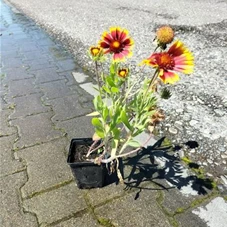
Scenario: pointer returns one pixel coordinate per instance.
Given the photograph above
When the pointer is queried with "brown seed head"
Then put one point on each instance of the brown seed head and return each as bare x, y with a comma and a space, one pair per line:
165, 35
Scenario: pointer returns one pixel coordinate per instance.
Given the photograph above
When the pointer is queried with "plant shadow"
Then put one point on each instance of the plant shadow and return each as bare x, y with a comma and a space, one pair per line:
156, 163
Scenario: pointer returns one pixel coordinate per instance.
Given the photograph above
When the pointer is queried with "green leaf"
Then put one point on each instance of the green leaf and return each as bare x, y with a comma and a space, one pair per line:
93, 114
105, 113
96, 122
133, 143
112, 68
116, 133
100, 133
110, 81
125, 120
114, 90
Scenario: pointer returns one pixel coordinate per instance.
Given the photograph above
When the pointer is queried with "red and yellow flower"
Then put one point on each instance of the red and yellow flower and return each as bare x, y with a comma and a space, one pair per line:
123, 73
177, 58
118, 43
95, 51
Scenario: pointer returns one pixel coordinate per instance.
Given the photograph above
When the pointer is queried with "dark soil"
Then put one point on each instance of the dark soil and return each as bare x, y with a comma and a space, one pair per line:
80, 152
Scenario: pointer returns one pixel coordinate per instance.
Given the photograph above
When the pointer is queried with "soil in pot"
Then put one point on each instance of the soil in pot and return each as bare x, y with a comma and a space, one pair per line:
87, 174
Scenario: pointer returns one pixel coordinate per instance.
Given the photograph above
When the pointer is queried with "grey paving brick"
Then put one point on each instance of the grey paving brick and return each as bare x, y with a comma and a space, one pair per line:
28, 105
28, 47
13, 63
82, 221
9, 54
77, 127
126, 211
106, 193
39, 64
67, 107
66, 65
18, 74
5, 128
35, 129
8, 163
188, 219
11, 207
34, 55
39, 159
22, 87
56, 89
46, 75
57, 204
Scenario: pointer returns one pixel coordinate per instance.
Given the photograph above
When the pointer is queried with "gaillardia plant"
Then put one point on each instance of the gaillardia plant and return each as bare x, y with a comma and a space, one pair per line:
124, 110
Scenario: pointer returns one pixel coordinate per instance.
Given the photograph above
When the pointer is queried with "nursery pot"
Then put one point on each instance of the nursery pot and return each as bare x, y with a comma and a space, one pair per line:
87, 174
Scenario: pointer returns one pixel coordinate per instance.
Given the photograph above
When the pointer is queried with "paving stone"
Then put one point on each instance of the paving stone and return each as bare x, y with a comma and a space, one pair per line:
46, 75
8, 163
66, 65
35, 129
22, 87
79, 127
67, 107
38, 160
57, 204
69, 77
126, 211
174, 199
188, 219
214, 213
13, 63
56, 89
84, 221
5, 128
99, 195
9, 54
28, 47
28, 105
39, 64
19, 74
11, 209
34, 55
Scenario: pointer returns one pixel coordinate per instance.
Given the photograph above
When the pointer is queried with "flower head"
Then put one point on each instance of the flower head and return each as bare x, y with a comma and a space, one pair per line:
165, 35
177, 58
117, 42
123, 73
95, 51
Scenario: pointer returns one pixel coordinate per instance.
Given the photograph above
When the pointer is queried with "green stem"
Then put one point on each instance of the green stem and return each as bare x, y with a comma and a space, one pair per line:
97, 74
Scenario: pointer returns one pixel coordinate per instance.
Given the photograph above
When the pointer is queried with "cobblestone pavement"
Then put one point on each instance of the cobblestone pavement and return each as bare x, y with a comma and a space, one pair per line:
42, 108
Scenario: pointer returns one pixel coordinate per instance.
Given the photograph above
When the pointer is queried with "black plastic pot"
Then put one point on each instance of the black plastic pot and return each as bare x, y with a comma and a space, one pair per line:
87, 174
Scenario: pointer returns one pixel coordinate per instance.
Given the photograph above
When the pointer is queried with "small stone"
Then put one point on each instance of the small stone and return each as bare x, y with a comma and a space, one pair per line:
222, 148
193, 122
205, 164
181, 153
224, 179
192, 151
209, 161
179, 110
224, 162
200, 101
172, 130
223, 156
219, 113
209, 174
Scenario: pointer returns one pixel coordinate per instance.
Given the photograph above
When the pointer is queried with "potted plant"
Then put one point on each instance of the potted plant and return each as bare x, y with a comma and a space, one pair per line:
123, 107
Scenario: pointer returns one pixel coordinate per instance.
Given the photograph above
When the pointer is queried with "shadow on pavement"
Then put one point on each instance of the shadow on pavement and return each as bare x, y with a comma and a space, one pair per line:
145, 168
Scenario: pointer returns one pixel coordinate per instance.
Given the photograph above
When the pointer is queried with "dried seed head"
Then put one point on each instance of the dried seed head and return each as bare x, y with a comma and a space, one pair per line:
165, 35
